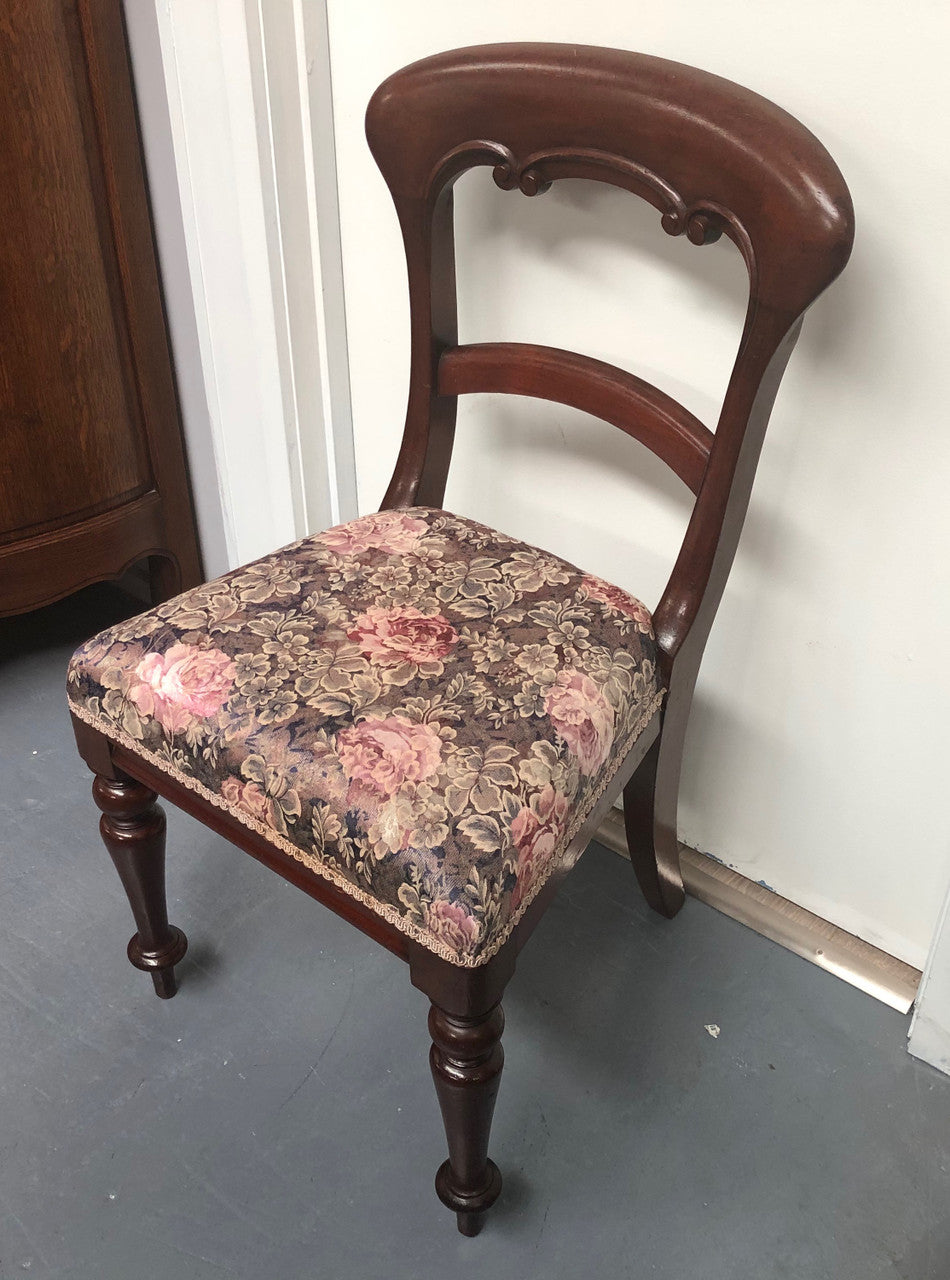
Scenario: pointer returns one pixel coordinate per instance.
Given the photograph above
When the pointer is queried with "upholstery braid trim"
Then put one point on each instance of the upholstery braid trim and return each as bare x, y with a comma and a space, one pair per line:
328, 872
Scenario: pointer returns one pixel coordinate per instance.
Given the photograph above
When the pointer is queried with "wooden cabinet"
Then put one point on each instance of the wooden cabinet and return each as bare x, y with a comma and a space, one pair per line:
92, 466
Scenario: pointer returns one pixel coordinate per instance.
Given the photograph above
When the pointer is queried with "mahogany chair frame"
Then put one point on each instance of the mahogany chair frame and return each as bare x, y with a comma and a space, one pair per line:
714, 159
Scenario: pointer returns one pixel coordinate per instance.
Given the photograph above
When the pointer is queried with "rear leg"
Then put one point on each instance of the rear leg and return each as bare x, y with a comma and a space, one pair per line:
649, 811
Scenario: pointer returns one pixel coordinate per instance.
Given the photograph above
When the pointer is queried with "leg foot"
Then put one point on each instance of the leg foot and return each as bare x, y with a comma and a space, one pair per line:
160, 963
133, 830
466, 1061
469, 1224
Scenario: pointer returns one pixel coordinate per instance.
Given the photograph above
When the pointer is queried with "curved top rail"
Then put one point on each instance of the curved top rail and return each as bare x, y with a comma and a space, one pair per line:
712, 156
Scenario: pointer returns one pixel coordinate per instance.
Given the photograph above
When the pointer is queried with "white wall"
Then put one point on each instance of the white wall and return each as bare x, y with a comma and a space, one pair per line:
816, 754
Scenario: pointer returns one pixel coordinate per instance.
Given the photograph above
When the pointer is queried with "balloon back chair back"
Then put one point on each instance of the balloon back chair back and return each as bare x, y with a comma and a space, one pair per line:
418, 720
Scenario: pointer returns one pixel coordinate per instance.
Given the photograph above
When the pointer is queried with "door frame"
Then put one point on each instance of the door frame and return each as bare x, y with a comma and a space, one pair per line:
929, 1034
246, 123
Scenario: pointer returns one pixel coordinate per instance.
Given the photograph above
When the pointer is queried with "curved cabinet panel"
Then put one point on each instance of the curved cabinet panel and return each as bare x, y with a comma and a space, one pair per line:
90, 436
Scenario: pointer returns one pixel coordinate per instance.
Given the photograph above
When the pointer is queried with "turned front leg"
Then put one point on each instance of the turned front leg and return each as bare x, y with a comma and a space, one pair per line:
133, 829
466, 1060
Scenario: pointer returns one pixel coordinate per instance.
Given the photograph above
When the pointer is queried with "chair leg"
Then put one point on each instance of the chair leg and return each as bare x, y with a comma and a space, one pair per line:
133, 829
466, 1060
649, 811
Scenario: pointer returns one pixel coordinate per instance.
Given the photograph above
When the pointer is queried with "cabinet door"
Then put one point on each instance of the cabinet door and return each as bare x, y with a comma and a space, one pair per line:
92, 468
72, 437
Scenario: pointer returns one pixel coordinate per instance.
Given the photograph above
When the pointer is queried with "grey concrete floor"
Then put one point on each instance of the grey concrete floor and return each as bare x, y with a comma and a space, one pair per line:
277, 1120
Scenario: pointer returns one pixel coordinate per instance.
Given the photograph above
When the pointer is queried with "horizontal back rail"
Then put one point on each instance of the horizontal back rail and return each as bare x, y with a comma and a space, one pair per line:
547, 373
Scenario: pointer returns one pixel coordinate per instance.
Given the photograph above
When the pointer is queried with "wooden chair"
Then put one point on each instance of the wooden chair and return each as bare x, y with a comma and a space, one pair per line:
420, 721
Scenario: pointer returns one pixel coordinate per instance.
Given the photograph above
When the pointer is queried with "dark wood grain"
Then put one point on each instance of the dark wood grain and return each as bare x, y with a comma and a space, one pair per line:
43, 568
133, 830
61, 370
89, 421
466, 1060
547, 373
650, 825
715, 160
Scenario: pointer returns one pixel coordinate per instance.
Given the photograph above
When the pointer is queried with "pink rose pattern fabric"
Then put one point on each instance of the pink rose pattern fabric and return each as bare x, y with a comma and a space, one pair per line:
583, 717
181, 684
382, 754
417, 706
404, 637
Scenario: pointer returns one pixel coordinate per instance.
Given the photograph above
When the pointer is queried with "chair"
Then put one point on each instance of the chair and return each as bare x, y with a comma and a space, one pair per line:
419, 720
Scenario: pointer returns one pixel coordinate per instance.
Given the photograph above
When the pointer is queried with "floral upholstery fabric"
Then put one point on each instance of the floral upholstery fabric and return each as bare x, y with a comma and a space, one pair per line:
417, 707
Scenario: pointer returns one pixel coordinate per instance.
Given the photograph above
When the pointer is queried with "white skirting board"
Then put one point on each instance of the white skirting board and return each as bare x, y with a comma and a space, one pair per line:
784, 922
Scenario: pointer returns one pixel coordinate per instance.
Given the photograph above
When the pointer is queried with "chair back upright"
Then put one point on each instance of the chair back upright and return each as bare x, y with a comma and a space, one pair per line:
713, 158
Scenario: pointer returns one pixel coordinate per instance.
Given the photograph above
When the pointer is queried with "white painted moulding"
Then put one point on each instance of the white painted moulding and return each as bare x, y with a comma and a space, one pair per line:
929, 1035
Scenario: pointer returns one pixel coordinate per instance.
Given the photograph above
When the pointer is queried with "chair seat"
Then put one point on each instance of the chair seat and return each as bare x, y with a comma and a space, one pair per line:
417, 707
